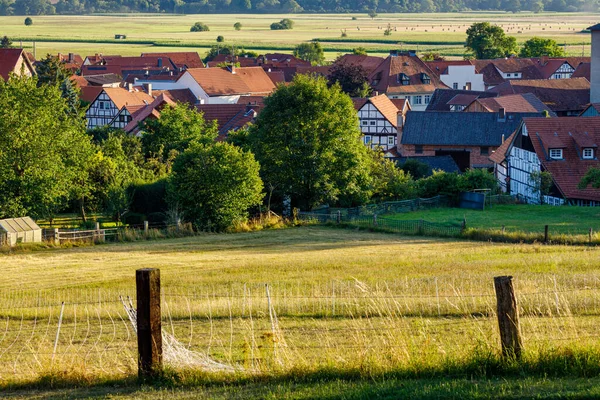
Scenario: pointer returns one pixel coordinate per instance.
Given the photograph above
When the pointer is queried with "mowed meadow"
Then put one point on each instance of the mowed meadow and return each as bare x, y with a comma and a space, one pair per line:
442, 33
301, 302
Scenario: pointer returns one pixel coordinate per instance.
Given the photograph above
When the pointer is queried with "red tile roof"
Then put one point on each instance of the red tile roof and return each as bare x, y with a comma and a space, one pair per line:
384, 78
526, 102
583, 71
178, 95
560, 95
151, 110
89, 93
9, 59
401, 104
566, 132
369, 63
222, 82
386, 107
184, 59
229, 116
123, 97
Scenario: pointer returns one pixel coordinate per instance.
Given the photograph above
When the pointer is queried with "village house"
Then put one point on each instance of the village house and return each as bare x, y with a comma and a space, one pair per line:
402, 75
229, 117
564, 147
110, 102
451, 99
469, 138
457, 74
378, 118
566, 97
142, 113
512, 103
15, 61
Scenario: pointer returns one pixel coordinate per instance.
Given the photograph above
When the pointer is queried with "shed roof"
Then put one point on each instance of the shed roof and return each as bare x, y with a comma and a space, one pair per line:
15, 225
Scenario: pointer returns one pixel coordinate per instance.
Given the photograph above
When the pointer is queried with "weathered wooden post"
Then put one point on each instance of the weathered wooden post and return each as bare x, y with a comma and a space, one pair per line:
503, 229
374, 219
591, 234
146, 228
148, 322
508, 317
99, 233
56, 236
545, 233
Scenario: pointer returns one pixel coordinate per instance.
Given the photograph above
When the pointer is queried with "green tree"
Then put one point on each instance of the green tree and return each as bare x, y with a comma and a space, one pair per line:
352, 78
237, 26
175, 130
431, 56
415, 168
284, 24
372, 14
359, 51
539, 47
5, 43
28, 21
542, 183
215, 185
307, 141
591, 177
199, 27
488, 41
390, 182
311, 52
44, 149
51, 71
220, 39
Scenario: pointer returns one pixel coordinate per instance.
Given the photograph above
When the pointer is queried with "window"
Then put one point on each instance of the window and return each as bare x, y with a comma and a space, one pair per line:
367, 139
391, 140
101, 105
403, 79
417, 99
588, 153
508, 75
365, 122
468, 86
455, 86
484, 151
427, 98
373, 122
418, 149
425, 78
556, 154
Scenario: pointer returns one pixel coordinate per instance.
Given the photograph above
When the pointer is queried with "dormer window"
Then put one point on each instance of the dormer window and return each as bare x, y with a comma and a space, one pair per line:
556, 154
403, 79
588, 153
425, 79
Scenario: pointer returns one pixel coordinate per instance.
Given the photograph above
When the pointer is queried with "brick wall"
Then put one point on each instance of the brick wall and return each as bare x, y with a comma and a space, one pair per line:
476, 158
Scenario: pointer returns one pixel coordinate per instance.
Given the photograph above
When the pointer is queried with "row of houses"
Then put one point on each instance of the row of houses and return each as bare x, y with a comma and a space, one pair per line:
453, 115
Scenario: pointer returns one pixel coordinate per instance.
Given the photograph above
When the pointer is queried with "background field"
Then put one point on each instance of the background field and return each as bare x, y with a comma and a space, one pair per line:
349, 304
443, 33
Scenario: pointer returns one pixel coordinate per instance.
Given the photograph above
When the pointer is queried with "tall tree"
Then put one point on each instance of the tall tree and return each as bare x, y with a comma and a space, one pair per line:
352, 78
51, 71
539, 47
488, 41
307, 141
311, 52
44, 149
215, 185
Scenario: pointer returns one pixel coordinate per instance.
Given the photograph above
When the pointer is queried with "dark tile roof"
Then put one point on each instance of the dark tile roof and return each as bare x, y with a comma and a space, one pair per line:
526, 102
441, 97
461, 129
435, 163
369, 63
560, 95
594, 28
584, 70
103, 79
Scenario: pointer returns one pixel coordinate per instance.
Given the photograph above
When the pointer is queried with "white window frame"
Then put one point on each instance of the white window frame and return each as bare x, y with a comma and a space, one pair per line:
455, 86
390, 140
427, 98
588, 153
417, 99
556, 154
365, 122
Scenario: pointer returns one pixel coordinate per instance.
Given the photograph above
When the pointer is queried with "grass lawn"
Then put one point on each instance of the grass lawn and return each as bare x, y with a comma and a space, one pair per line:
359, 315
525, 218
443, 33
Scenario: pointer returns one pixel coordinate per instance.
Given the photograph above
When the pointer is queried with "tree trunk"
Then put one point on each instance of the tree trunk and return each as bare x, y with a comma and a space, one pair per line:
82, 209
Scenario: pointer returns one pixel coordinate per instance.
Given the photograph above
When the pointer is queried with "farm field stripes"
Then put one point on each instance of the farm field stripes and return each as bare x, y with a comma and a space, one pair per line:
430, 32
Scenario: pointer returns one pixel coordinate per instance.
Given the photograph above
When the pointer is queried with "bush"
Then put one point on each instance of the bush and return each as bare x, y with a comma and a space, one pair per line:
199, 27
237, 26
28, 21
417, 169
451, 185
285, 23
220, 39
479, 179
149, 198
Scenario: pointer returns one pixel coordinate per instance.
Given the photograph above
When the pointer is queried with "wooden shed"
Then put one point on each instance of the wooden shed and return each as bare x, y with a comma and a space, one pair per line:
19, 230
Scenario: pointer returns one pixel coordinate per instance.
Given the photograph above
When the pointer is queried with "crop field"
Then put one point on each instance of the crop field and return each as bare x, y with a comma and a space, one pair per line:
522, 218
443, 33
310, 301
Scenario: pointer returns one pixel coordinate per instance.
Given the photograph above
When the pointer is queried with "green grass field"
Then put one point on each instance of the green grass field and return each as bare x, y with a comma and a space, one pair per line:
359, 315
443, 33
522, 218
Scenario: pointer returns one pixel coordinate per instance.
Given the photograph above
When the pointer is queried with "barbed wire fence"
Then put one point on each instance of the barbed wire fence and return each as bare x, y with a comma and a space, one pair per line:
259, 327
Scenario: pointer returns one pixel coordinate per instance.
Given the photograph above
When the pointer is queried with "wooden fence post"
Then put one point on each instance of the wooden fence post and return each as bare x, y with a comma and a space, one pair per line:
149, 330
508, 317
145, 227
591, 234
339, 216
375, 219
56, 236
545, 233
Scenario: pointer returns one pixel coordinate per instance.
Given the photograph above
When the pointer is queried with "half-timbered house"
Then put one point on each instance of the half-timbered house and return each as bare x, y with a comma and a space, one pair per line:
110, 102
378, 118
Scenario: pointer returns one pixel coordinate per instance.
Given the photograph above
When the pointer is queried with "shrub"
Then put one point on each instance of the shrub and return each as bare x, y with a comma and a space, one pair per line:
237, 26
417, 169
220, 39
149, 199
354, 18
28, 21
285, 23
199, 27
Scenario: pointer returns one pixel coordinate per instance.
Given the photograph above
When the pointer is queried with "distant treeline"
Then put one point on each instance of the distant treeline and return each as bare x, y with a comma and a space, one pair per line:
40, 7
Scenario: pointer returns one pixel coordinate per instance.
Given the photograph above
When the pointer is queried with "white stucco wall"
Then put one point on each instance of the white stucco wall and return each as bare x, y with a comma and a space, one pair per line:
461, 74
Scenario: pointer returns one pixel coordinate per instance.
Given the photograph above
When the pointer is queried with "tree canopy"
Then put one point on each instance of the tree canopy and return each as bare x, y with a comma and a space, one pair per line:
487, 41
215, 185
539, 47
352, 78
307, 141
311, 52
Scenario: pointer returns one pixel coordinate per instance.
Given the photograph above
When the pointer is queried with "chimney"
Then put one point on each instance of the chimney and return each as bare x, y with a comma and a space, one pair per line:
501, 114
595, 65
71, 57
503, 138
149, 86
160, 63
